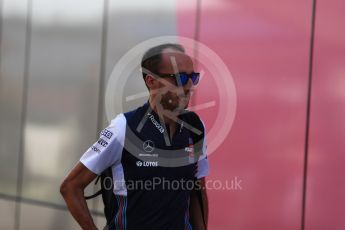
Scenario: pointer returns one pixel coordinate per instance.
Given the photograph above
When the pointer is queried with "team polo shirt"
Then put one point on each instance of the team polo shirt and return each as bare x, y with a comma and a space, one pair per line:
152, 173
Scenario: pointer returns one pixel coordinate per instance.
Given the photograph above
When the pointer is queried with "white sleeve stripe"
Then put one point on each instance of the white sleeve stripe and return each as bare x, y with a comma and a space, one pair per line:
107, 151
203, 168
203, 165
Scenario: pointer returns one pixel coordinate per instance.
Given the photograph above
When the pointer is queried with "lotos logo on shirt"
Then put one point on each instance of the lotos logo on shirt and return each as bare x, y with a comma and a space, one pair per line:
147, 163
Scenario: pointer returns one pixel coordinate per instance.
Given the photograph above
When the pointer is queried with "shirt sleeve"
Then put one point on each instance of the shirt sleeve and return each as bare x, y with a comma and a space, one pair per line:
203, 164
107, 151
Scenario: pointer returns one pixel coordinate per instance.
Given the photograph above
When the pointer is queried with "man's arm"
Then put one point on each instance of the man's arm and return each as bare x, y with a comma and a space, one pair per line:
72, 190
199, 218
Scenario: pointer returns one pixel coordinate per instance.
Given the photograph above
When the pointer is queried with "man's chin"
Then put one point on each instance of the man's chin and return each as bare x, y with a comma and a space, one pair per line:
186, 105
183, 105
185, 102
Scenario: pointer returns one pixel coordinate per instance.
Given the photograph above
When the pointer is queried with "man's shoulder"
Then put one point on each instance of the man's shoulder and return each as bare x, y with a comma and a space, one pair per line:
117, 126
191, 115
193, 119
134, 116
124, 116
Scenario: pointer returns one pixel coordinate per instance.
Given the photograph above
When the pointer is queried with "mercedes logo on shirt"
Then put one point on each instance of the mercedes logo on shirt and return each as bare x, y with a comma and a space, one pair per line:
148, 146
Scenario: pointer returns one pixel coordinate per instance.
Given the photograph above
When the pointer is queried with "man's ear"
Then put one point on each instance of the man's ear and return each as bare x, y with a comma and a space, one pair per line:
150, 81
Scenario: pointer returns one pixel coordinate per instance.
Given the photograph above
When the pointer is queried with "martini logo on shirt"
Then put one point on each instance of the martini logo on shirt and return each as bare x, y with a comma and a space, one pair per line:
190, 150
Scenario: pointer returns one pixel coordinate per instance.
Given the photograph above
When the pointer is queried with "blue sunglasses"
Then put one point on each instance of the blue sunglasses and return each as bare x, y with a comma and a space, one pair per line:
181, 79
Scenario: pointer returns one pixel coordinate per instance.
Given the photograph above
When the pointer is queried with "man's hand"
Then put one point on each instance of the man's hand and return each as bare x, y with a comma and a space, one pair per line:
72, 190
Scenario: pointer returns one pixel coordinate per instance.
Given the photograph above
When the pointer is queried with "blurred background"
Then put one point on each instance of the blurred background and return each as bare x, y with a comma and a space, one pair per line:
286, 145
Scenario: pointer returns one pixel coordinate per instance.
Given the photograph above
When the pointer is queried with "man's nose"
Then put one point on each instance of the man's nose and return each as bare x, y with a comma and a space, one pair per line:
189, 84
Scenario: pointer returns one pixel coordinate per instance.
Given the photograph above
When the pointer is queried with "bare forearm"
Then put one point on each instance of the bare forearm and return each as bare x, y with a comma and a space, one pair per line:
198, 213
205, 205
77, 205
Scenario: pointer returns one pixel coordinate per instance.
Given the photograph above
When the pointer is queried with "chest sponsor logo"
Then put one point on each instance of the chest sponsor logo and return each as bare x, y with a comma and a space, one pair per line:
190, 151
155, 123
147, 163
148, 146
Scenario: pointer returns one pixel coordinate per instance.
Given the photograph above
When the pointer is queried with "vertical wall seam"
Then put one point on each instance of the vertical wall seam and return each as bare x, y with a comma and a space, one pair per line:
102, 67
102, 70
23, 116
1, 25
306, 147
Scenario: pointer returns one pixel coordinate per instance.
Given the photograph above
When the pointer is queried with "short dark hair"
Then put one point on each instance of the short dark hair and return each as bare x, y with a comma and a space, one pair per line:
152, 57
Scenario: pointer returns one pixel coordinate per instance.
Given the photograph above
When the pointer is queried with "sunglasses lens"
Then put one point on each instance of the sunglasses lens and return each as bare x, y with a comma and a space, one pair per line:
195, 78
185, 77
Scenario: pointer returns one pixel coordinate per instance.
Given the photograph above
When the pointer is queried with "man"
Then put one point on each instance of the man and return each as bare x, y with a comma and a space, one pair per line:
160, 141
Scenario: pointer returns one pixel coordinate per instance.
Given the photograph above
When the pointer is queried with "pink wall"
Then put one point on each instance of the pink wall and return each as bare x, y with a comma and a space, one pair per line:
325, 206
265, 45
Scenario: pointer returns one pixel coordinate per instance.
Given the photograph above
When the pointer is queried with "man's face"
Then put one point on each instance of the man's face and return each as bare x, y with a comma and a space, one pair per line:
172, 97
